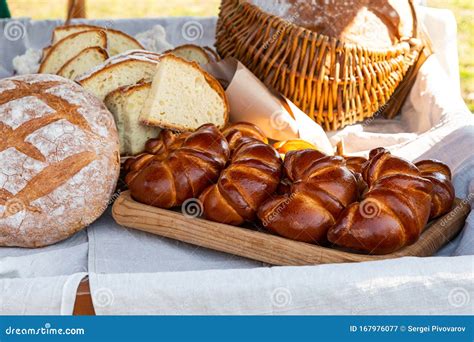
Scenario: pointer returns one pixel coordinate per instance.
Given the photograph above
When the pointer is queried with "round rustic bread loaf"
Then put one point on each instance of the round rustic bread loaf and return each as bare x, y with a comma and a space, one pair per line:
59, 159
369, 23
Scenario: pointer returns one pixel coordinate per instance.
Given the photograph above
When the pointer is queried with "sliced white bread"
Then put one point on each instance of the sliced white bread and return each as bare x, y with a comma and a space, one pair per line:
184, 97
141, 53
126, 103
69, 47
83, 62
191, 53
62, 32
45, 52
116, 72
117, 41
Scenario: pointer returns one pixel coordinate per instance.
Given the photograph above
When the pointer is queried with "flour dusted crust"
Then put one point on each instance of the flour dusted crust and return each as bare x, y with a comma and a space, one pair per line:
370, 23
59, 159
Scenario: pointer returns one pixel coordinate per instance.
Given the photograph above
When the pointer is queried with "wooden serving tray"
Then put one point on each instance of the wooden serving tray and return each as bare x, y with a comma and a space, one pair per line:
267, 247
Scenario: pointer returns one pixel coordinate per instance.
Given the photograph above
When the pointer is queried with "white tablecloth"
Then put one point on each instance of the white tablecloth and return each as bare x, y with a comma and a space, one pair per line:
136, 273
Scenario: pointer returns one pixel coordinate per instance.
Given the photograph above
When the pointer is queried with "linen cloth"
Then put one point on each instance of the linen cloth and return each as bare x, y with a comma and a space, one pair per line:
39, 295
132, 272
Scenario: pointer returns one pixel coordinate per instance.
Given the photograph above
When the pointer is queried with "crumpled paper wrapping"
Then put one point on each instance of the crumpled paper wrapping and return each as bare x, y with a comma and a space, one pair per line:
251, 101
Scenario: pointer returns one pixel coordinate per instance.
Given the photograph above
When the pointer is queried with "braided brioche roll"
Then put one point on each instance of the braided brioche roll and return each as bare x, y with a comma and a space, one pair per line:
393, 212
185, 172
132, 166
356, 165
165, 143
155, 149
236, 131
320, 188
251, 178
439, 175
168, 141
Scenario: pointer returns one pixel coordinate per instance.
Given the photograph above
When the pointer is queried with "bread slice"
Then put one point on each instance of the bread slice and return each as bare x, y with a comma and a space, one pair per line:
62, 32
69, 47
117, 41
45, 52
116, 72
184, 97
141, 53
83, 62
126, 103
191, 53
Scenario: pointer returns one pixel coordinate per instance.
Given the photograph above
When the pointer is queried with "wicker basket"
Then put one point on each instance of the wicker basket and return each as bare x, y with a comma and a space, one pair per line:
335, 83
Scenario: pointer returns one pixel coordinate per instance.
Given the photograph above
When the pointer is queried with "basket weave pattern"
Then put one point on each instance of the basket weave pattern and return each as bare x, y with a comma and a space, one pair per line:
334, 83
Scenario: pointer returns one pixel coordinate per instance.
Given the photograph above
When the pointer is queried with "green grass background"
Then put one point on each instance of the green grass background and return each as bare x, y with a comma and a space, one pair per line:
44, 9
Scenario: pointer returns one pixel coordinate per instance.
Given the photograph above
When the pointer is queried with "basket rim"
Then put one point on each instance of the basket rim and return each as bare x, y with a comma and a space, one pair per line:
342, 44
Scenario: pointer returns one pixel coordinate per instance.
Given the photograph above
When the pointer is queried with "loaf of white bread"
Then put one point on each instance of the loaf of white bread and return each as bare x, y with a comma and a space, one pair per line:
144, 90
83, 62
71, 46
117, 41
193, 53
126, 103
147, 91
79, 48
124, 82
183, 97
122, 70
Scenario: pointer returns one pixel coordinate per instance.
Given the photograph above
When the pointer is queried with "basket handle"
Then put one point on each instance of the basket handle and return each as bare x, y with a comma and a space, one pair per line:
415, 19
76, 9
